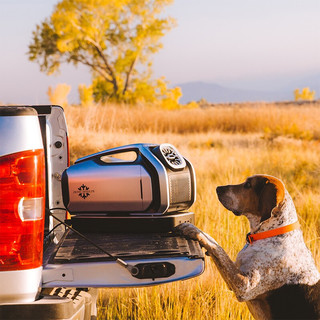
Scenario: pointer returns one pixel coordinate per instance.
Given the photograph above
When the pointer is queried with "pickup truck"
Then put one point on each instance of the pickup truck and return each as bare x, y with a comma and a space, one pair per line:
61, 237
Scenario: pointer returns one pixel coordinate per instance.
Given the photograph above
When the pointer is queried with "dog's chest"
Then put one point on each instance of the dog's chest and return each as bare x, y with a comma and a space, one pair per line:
284, 257
243, 256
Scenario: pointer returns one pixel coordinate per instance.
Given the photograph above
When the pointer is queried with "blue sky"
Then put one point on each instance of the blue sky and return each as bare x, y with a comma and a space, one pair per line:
243, 44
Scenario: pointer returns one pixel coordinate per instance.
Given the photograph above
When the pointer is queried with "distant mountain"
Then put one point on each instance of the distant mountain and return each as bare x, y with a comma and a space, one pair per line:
194, 91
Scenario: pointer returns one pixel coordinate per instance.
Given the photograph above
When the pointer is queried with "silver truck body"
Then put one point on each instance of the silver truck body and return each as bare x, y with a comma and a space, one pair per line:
68, 260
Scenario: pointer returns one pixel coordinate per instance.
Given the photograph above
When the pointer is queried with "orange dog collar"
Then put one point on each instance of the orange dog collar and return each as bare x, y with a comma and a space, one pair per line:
271, 233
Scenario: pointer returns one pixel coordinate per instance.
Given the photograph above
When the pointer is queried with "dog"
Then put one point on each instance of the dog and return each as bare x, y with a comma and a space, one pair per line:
274, 273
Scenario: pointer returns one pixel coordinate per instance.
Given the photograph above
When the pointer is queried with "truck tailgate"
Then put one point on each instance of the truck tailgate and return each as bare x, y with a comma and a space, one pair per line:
160, 257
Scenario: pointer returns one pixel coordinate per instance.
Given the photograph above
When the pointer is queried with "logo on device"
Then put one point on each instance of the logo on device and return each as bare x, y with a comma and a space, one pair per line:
84, 191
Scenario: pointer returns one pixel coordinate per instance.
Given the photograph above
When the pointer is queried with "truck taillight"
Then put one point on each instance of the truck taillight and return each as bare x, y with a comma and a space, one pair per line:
22, 205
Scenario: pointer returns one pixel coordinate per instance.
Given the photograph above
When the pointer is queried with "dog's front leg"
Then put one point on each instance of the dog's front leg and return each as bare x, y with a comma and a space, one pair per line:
239, 283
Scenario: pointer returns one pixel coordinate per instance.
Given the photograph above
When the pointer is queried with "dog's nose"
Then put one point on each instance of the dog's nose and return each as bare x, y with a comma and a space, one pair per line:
220, 190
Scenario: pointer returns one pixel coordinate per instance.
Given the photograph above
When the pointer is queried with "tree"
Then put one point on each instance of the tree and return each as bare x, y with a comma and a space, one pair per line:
114, 38
59, 94
305, 94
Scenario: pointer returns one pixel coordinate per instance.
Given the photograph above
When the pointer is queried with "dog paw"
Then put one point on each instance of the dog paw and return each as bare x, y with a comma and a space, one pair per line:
189, 231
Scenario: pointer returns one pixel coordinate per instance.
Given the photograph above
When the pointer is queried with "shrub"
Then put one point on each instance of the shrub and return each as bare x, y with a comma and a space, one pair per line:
86, 95
59, 94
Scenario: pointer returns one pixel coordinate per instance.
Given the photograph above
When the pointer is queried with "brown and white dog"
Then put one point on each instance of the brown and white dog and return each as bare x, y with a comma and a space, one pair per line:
274, 273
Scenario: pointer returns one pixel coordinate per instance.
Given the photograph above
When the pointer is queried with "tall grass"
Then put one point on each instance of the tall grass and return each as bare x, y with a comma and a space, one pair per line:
235, 119
225, 146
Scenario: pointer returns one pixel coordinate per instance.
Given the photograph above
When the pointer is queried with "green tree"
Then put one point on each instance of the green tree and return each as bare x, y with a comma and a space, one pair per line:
114, 38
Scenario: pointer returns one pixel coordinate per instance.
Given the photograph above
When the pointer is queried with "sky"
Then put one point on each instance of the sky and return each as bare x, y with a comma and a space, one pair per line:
247, 44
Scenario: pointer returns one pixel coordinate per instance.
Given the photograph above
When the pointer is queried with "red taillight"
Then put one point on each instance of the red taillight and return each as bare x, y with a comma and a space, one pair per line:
22, 205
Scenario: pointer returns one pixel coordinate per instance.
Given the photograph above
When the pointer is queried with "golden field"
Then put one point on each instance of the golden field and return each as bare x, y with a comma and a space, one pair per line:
225, 144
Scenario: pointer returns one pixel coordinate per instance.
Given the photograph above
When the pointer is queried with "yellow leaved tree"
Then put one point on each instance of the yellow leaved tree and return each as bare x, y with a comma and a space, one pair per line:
114, 38
305, 94
59, 94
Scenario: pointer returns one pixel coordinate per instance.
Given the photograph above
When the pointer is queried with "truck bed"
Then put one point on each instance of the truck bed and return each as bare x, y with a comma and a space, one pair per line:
72, 248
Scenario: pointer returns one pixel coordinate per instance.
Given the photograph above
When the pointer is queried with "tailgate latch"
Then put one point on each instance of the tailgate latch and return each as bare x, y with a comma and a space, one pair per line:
154, 270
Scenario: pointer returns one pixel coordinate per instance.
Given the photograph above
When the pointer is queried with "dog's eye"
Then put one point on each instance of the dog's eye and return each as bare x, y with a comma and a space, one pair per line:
247, 185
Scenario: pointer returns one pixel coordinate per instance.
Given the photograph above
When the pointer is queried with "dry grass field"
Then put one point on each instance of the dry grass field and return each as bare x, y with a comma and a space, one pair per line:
225, 144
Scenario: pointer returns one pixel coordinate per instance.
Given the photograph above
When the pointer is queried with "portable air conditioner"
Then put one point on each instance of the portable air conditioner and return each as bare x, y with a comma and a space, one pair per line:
137, 179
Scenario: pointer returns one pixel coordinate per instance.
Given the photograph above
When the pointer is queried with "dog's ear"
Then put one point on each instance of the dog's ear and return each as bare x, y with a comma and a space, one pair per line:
272, 194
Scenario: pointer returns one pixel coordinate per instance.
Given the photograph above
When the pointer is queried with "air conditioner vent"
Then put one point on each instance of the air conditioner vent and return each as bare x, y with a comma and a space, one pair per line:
171, 157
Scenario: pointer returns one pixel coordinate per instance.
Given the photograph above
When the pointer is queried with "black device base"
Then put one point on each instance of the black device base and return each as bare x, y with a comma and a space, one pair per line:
130, 224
